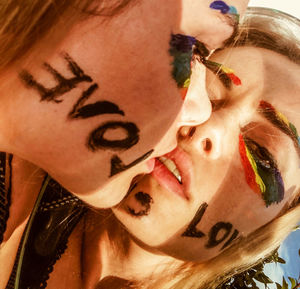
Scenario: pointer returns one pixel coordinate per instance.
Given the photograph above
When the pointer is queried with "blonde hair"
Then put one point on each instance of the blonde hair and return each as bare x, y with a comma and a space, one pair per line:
259, 29
26, 23
242, 255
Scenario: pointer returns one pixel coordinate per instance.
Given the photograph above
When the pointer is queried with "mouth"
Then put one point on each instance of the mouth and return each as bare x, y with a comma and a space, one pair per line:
172, 171
171, 166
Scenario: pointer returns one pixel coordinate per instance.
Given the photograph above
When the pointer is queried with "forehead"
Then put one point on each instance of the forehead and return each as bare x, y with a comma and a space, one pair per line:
266, 75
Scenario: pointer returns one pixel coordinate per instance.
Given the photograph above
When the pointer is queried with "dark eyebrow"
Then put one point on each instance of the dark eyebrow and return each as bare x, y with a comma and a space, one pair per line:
223, 77
200, 53
271, 114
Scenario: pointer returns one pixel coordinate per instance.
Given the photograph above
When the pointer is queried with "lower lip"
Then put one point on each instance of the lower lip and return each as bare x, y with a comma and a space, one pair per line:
167, 180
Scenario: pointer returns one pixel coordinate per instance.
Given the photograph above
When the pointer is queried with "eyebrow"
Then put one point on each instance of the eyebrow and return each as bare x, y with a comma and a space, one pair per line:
280, 121
270, 113
215, 68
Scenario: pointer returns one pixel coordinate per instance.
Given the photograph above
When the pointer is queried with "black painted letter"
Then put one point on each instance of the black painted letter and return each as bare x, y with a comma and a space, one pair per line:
192, 231
117, 166
97, 140
214, 240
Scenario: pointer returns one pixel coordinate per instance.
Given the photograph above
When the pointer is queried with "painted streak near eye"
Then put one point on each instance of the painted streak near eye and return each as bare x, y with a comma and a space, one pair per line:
225, 74
181, 49
261, 171
223, 7
250, 169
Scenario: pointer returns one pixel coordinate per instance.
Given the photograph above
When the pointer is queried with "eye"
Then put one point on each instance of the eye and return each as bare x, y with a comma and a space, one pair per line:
260, 154
265, 178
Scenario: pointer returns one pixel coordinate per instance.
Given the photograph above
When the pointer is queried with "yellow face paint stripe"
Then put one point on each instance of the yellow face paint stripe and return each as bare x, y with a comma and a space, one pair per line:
258, 179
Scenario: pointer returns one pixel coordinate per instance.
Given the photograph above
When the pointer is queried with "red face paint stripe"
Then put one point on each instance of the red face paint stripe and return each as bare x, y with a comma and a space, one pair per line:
234, 79
249, 172
183, 92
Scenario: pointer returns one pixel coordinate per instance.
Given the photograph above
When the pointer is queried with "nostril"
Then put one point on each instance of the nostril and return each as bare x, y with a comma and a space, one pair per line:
207, 145
192, 131
186, 132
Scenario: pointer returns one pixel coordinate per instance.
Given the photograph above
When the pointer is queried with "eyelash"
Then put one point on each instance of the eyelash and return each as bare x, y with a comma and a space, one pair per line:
268, 172
261, 155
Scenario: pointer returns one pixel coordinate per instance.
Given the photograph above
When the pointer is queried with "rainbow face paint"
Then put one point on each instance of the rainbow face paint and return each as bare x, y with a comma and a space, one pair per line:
182, 49
182, 52
261, 172
224, 8
226, 75
280, 120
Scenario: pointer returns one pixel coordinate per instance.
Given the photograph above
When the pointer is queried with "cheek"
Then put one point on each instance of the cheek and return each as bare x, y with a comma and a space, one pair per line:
152, 215
188, 249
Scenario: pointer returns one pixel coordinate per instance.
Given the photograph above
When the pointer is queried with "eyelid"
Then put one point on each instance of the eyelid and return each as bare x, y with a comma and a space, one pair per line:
254, 140
218, 97
217, 104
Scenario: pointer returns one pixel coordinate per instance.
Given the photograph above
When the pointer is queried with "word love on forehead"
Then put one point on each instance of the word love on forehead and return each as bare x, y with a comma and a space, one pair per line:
220, 233
261, 172
83, 110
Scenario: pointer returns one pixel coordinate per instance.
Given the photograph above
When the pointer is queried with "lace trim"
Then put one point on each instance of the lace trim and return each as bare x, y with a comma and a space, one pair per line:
5, 193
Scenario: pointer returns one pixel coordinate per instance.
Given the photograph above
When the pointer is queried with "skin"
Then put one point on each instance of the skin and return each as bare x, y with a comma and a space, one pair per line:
131, 66
227, 206
40, 131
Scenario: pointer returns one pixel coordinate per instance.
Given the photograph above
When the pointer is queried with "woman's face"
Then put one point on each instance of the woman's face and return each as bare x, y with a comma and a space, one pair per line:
94, 112
198, 210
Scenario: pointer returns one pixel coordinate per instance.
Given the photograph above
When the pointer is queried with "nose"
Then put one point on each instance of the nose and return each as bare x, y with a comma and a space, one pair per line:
207, 143
197, 106
196, 109
217, 138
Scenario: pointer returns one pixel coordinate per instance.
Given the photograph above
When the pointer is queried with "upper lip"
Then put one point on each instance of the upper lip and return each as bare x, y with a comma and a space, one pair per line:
184, 165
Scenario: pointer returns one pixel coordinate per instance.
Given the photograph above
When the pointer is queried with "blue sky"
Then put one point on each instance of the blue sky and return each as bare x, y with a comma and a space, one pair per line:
289, 252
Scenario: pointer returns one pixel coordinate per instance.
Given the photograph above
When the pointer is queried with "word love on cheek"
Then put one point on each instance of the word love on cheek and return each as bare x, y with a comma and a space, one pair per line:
81, 110
261, 172
219, 233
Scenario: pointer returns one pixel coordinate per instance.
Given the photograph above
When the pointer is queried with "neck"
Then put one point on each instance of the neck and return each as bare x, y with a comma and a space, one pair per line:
114, 253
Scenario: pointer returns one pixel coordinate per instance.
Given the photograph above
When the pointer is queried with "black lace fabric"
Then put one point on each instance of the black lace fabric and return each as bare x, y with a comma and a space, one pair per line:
56, 215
